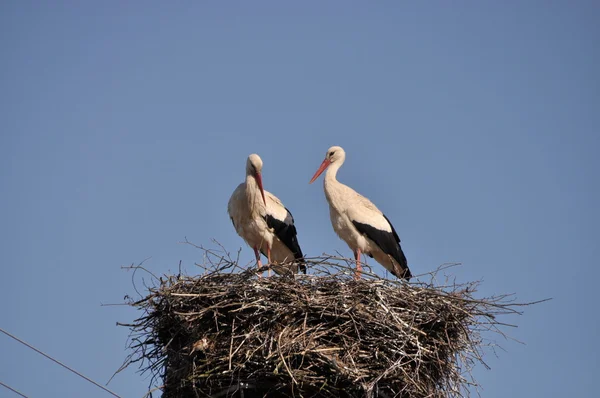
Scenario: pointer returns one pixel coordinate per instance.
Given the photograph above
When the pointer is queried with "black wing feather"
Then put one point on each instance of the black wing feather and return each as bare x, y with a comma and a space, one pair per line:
388, 242
286, 232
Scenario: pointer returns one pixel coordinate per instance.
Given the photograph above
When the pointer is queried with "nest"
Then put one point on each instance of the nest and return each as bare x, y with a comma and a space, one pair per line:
227, 332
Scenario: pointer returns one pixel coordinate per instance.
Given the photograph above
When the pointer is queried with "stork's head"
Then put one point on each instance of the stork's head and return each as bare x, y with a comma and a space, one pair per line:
254, 166
335, 154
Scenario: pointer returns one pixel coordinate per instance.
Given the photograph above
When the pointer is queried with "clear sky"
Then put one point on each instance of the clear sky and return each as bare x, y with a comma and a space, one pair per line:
125, 127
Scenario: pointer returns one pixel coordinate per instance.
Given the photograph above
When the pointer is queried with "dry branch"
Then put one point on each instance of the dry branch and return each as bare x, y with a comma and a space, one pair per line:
322, 334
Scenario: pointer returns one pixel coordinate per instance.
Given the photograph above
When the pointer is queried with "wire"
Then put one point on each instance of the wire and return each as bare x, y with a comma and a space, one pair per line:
58, 362
13, 390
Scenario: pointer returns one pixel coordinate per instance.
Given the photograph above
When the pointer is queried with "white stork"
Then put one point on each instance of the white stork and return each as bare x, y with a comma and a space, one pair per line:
358, 222
264, 223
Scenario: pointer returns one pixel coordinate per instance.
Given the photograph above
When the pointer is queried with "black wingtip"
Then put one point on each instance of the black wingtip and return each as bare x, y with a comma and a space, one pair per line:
299, 257
303, 267
407, 275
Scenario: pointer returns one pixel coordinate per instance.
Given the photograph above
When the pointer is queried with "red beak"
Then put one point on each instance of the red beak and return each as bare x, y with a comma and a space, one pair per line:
322, 168
258, 178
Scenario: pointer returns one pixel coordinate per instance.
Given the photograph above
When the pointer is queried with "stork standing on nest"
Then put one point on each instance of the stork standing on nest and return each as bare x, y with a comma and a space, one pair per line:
264, 223
359, 222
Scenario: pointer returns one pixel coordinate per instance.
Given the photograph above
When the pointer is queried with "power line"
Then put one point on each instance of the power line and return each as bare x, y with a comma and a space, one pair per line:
58, 362
13, 390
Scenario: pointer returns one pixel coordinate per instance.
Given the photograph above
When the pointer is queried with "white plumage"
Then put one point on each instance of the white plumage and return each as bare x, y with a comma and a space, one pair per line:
264, 223
358, 222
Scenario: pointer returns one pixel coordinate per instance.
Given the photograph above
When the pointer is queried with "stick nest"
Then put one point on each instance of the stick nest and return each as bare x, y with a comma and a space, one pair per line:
323, 334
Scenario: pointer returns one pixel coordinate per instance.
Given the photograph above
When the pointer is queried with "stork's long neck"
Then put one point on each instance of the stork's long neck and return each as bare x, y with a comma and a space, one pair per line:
253, 195
330, 182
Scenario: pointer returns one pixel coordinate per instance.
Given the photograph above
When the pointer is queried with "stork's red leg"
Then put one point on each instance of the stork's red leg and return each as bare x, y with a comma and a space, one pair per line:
269, 258
358, 266
258, 262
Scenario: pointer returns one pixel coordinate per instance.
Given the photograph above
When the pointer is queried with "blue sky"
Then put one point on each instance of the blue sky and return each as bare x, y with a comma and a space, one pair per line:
124, 127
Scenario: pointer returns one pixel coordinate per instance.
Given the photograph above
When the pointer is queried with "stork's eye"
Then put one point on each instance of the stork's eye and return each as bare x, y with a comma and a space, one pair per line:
331, 153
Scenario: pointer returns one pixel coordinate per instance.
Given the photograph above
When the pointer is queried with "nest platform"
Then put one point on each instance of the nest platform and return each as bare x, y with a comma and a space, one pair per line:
228, 333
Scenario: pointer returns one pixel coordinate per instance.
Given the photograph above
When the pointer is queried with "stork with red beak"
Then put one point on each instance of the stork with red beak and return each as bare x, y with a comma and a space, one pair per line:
358, 222
264, 223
